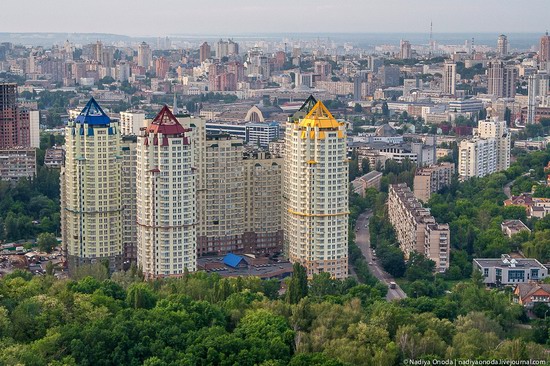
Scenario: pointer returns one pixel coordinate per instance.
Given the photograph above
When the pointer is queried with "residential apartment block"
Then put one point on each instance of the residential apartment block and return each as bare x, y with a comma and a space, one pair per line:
263, 231
487, 152
432, 179
166, 199
17, 163
131, 122
129, 197
316, 192
91, 204
416, 228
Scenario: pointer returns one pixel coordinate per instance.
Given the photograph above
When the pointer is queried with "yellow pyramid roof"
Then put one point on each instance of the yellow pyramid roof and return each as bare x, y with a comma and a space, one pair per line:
319, 116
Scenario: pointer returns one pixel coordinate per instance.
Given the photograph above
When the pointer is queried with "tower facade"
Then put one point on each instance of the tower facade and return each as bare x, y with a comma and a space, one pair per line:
145, 55
544, 49
502, 45
15, 123
497, 130
204, 52
91, 205
166, 203
316, 190
449, 78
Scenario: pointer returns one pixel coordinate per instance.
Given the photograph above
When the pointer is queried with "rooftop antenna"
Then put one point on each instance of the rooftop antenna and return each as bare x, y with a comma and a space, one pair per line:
431, 40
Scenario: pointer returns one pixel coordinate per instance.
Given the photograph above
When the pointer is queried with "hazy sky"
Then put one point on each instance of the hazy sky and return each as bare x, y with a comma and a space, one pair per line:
165, 17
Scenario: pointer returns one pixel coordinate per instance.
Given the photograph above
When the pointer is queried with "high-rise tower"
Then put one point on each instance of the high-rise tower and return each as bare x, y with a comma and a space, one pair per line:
316, 188
91, 207
502, 46
449, 78
166, 198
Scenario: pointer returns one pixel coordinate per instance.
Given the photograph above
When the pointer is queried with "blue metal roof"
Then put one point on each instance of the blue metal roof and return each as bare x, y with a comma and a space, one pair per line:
232, 260
92, 114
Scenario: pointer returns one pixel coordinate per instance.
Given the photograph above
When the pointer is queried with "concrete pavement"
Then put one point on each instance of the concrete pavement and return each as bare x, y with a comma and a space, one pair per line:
362, 239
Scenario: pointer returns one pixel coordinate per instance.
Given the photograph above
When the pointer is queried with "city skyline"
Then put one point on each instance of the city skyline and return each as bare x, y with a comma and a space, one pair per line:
357, 17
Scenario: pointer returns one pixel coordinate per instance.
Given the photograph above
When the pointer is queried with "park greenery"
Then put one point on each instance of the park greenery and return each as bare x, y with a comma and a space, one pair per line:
31, 207
203, 319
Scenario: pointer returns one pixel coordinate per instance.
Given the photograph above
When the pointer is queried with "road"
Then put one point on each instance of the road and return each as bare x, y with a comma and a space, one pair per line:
362, 238
507, 190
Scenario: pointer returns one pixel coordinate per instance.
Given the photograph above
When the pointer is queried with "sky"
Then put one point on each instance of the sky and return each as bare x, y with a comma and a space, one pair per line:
233, 17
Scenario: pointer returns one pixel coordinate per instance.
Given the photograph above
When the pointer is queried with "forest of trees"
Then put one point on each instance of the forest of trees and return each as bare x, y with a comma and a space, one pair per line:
203, 319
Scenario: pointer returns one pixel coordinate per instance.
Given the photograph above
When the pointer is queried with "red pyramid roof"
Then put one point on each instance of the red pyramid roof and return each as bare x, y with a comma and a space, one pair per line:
166, 123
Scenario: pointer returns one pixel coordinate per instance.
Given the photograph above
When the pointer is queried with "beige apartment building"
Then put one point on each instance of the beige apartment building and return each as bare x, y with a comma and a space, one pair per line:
431, 179
239, 199
221, 220
128, 195
316, 193
166, 199
263, 231
91, 205
416, 229
131, 122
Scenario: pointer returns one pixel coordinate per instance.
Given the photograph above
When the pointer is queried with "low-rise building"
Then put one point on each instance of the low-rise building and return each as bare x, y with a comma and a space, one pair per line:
528, 294
432, 179
54, 157
510, 271
369, 180
512, 227
416, 229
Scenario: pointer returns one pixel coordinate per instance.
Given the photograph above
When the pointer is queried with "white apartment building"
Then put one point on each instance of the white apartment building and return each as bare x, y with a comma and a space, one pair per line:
316, 193
416, 229
477, 158
497, 130
487, 152
131, 122
448, 84
91, 205
166, 199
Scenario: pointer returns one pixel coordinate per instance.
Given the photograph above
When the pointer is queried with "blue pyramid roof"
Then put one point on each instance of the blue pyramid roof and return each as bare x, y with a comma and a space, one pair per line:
232, 260
92, 114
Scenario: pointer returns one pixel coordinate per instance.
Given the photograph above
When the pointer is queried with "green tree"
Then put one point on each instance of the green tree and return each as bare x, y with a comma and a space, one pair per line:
46, 242
297, 287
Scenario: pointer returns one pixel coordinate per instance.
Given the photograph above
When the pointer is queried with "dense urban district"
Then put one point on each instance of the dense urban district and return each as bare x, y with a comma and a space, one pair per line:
279, 202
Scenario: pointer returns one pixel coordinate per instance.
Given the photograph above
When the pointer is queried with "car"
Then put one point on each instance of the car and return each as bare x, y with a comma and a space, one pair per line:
370, 263
393, 285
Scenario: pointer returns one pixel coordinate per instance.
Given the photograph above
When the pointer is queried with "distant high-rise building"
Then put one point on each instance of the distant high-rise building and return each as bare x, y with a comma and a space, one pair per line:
544, 50
91, 205
15, 122
501, 79
389, 75
316, 193
497, 130
405, 50
145, 56
487, 152
97, 51
538, 85
448, 85
166, 199
205, 52
162, 66
502, 46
